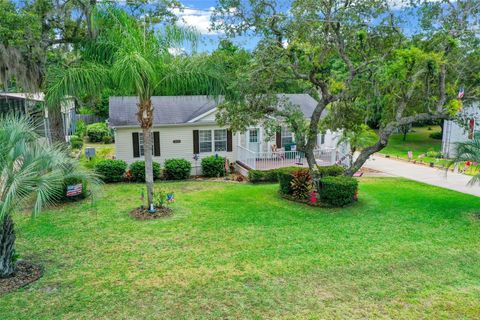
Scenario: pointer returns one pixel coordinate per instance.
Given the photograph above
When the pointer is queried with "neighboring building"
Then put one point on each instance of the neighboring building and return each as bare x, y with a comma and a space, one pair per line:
184, 126
32, 105
454, 132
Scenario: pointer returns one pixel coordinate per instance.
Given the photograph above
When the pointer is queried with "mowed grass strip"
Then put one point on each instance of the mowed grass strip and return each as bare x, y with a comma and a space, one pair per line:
406, 250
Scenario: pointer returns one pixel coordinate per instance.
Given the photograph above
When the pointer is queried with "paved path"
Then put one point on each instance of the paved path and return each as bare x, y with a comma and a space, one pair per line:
432, 176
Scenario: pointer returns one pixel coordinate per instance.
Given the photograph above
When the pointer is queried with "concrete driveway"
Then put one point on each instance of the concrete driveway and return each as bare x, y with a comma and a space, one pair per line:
432, 176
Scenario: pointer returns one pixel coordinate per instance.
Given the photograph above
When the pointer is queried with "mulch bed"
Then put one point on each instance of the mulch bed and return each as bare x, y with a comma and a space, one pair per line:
25, 273
143, 214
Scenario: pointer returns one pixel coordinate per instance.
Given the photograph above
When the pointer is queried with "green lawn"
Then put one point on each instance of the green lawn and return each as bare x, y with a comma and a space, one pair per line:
418, 141
407, 250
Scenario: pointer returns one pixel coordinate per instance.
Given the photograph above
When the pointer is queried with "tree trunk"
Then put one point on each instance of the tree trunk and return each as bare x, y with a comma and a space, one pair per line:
312, 134
56, 126
7, 245
145, 118
147, 147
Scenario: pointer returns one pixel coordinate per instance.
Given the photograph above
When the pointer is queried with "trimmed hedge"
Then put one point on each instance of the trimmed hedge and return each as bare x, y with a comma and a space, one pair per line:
76, 142
97, 131
256, 176
213, 166
111, 170
330, 171
338, 191
137, 170
177, 169
285, 178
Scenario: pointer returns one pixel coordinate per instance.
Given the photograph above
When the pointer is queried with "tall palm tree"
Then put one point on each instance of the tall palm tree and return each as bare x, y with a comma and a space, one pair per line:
469, 151
135, 58
31, 173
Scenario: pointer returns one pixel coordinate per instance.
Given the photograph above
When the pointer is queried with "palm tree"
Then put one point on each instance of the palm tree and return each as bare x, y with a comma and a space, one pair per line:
135, 58
31, 173
469, 151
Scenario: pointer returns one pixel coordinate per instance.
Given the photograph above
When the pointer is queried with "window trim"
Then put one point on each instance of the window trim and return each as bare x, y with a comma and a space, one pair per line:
212, 141
141, 150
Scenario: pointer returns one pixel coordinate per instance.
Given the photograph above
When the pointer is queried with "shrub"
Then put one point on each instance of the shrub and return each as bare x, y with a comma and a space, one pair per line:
80, 128
330, 171
434, 154
338, 191
177, 169
111, 170
436, 135
213, 166
256, 176
76, 142
107, 139
285, 177
70, 182
137, 170
96, 131
301, 184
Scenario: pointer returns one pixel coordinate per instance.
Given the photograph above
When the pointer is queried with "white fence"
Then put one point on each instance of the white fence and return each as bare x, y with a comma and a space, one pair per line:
279, 159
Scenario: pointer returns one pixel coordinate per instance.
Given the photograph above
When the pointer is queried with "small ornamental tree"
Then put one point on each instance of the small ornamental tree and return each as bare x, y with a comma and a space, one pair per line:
31, 170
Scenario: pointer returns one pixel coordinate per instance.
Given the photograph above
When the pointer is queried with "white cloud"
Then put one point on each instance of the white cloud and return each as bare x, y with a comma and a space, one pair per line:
197, 18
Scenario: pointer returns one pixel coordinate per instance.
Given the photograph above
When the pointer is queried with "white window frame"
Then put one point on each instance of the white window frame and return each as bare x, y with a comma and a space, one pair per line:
287, 134
141, 149
223, 140
202, 141
213, 141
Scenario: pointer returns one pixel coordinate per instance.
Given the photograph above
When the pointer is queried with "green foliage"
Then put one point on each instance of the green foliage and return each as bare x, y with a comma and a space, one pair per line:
76, 142
97, 131
256, 176
285, 178
330, 171
434, 154
469, 151
213, 166
301, 184
111, 170
81, 129
436, 135
177, 169
137, 170
338, 191
160, 197
107, 139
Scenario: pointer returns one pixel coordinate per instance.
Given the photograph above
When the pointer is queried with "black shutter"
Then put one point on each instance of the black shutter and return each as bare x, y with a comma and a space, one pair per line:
196, 142
279, 139
229, 141
136, 146
156, 144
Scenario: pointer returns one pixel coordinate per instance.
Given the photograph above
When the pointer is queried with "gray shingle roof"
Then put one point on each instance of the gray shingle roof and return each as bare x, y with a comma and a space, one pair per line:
181, 109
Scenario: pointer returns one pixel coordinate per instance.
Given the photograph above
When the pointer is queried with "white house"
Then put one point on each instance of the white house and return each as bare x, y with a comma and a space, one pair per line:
185, 127
454, 132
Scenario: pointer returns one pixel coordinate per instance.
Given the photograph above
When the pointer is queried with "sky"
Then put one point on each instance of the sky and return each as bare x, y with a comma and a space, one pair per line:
197, 14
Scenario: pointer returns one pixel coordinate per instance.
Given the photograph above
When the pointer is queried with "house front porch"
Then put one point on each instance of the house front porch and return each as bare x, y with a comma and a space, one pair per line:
273, 160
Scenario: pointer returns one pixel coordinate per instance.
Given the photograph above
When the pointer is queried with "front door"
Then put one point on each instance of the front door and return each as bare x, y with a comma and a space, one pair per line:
254, 139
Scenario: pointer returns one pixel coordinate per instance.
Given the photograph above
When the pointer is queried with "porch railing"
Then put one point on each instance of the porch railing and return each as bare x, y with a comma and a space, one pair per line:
279, 159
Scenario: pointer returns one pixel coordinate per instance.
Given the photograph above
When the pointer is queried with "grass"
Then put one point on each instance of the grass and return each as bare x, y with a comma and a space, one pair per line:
418, 141
102, 151
406, 250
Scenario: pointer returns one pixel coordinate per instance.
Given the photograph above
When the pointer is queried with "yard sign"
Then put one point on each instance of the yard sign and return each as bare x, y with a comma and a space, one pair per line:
74, 190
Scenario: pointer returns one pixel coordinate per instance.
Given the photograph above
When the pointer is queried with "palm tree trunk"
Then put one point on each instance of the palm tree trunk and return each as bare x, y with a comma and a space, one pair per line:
147, 147
7, 245
56, 125
145, 118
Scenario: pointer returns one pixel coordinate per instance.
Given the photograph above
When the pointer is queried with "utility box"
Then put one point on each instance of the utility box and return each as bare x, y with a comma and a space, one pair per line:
89, 153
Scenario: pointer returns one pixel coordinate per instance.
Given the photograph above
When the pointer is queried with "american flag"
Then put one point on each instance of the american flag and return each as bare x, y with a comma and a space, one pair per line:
461, 92
74, 190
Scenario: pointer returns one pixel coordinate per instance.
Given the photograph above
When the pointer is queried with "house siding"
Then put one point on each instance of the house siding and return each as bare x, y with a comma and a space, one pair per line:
454, 133
168, 149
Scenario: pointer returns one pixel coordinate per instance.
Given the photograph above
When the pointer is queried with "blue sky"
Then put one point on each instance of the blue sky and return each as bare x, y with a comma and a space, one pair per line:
197, 14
